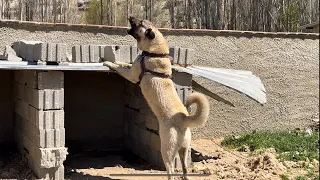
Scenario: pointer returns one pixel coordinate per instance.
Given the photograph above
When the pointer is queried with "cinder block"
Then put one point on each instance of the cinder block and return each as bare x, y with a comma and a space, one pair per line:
136, 147
23, 51
145, 137
50, 80
40, 51
16, 47
134, 131
134, 51
182, 56
101, 52
145, 152
127, 116
138, 119
21, 108
155, 141
189, 56
56, 52
43, 138
85, 53
152, 123
144, 108
76, 54
117, 53
45, 99
182, 79
160, 162
125, 54
153, 156
129, 142
45, 157
10, 54
94, 54
19, 91
40, 79
88, 53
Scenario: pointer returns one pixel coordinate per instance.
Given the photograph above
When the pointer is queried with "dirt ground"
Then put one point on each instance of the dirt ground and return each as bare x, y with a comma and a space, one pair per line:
210, 162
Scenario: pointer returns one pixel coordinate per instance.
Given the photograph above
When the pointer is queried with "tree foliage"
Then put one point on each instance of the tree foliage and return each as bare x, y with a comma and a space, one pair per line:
245, 15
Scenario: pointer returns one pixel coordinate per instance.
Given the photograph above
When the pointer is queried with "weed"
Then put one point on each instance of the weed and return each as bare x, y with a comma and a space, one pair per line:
293, 146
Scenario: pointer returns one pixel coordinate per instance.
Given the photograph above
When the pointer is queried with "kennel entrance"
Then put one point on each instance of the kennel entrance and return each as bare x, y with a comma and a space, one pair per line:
81, 110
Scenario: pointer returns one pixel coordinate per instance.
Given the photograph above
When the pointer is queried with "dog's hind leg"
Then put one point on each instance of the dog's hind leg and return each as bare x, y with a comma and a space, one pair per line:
183, 154
168, 155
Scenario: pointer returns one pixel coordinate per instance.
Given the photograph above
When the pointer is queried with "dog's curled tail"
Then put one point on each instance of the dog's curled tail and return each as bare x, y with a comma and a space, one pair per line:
199, 118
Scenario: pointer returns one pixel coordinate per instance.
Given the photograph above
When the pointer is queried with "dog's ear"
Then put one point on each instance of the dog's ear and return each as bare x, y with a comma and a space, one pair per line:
150, 34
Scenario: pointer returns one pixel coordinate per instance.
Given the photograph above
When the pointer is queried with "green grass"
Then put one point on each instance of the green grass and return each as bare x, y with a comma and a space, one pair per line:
293, 146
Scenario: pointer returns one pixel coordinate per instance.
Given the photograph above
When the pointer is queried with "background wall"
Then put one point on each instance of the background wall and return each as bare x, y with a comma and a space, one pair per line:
288, 65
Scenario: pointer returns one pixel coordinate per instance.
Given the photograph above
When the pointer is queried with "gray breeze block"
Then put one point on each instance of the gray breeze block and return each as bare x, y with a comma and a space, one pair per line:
40, 51
182, 56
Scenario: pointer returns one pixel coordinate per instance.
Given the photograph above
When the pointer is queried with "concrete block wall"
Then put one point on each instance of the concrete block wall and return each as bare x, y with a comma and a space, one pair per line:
141, 128
39, 121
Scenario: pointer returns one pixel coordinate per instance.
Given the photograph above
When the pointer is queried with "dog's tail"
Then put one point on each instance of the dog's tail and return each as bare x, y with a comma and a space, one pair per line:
199, 118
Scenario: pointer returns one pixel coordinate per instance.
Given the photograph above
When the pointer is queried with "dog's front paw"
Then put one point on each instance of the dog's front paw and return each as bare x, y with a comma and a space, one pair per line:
109, 64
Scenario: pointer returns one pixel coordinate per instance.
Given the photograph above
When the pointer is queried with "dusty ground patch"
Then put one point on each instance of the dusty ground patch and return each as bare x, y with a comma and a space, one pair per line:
210, 158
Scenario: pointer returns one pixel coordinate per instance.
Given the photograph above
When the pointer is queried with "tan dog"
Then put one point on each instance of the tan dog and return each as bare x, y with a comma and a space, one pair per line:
160, 94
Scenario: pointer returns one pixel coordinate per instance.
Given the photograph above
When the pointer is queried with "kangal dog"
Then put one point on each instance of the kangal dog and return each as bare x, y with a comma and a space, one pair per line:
152, 70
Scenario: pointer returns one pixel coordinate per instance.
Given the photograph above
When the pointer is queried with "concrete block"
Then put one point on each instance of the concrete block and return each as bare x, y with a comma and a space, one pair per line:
134, 131
10, 54
40, 51
18, 91
160, 162
94, 53
153, 156
26, 77
16, 47
88, 53
43, 138
117, 53
144, 108
125, 54
182, 56
23, 51
101, 52
45, 99
76, 54
136, 147
50, 80
21, 108
45, 157
138, 119
145, 152
127, 116
134, 51
182, 79
145, 137
40, 79
56, 52
129, 142
152, 123
190, 56
155, 141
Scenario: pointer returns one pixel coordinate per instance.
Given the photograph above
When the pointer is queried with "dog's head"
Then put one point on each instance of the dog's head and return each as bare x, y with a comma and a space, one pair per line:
148, 36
